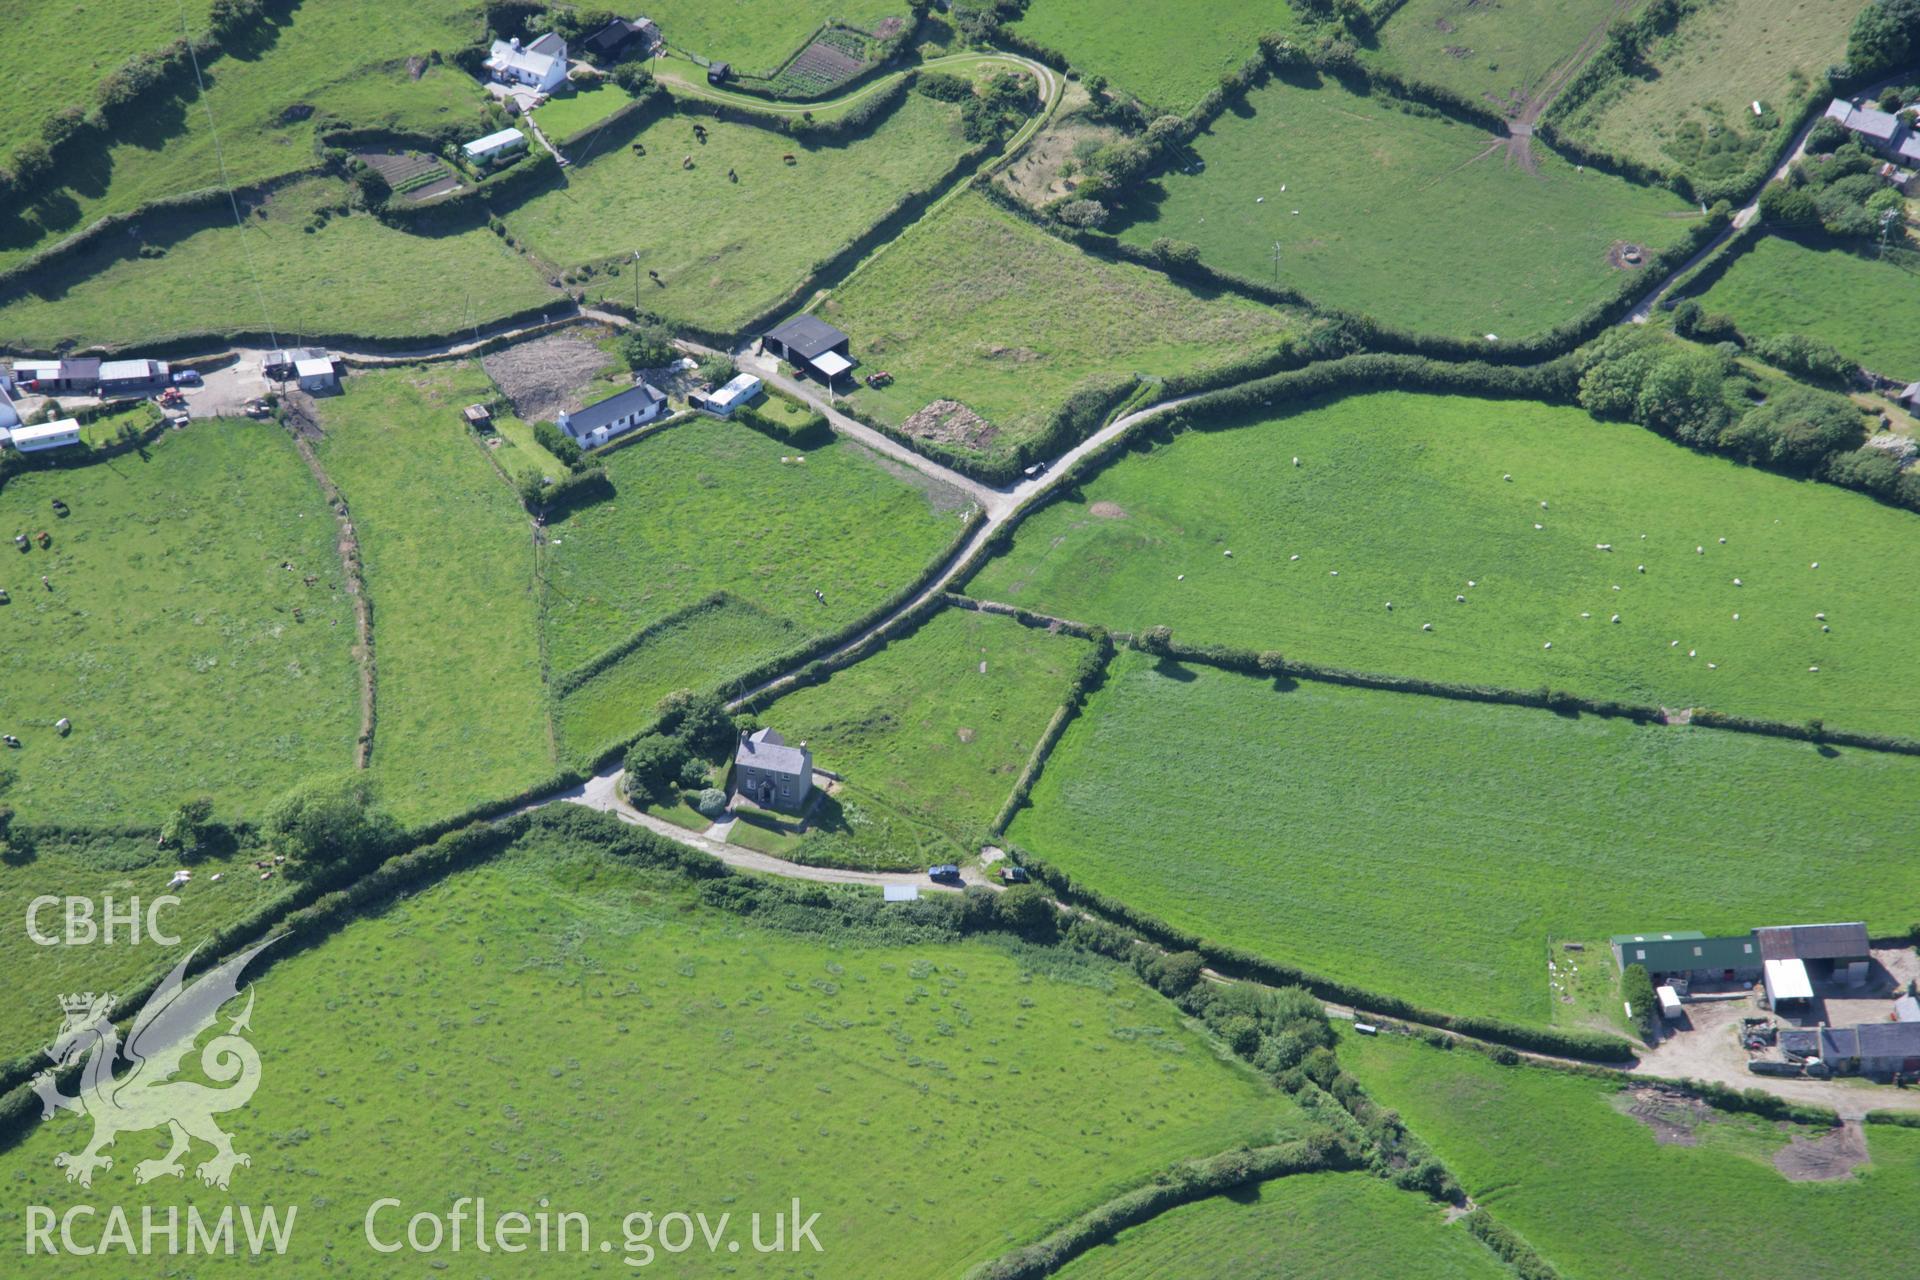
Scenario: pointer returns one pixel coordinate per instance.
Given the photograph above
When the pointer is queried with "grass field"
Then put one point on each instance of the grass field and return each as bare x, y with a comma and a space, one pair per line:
1554, 1157
713, 241
938, 725
1500, 55
576, 108
1155, 52
1692, 109
1415, 836
449, 565
664, 1056
354, 275
1318, 1226
33, 95
1401, 495
1868, 308
975, 306
700, 651
347, 59
709, 505
168, 635
1416, 220
756, 36
98, 867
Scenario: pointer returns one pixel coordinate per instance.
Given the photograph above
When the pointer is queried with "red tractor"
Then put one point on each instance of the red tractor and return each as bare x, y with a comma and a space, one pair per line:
881, 379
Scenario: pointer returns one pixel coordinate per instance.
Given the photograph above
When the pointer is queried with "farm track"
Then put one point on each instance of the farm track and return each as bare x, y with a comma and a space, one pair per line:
349, 550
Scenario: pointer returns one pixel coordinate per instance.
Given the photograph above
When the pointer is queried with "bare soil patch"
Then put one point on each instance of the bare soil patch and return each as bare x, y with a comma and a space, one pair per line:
950, 422
1626, 257
542, 377
1833, 1155
1108, 510
1672, 1116
1036, 175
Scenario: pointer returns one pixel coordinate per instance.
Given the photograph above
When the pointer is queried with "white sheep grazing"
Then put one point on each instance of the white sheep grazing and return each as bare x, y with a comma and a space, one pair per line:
1539, 526
1736, 582
1508, 479
1471, 582
1616, 617
1296, 461
1333, 573
1426, 626
1723, 542
1603, 546
1584, 614
1547, 645
1813, 668
1295, 556
1673, 644
1824, 629
1736, 617
1181, 577
1642, 568
1690, 652
1699, 551
1713, 666
1819, 617
1543, 504
1227, 554
1389, 606
1814, 565
1459, 599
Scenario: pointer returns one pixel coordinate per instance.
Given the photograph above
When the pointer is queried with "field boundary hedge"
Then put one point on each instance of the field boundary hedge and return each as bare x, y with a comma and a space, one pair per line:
1091, 675
570, 681
1184, 1183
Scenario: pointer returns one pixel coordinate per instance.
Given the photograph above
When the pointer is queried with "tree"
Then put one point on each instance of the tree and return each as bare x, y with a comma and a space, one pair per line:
333, 822
1886, 34
1867, 469
698, 719
634, 77
1157, 640
1636, 988
530, 489
1798, 353
1788, 206
1082, 213
187, 826
648, 345
1027, 909
1175, 254
717, 369
31, 162
1796, 429
712, 802
653, 765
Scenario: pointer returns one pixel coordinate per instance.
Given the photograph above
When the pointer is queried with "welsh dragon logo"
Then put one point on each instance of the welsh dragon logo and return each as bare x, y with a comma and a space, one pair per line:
144, 1095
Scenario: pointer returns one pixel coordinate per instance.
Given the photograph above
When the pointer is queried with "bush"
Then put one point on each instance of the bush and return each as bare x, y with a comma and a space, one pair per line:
943, 86
633, 77
1027, 909
1636, 988
711, 802
1866, 469
1885, 35
329, 823
1809, 357
558, 443
1796, 430
653, 765
700, 720
648, 345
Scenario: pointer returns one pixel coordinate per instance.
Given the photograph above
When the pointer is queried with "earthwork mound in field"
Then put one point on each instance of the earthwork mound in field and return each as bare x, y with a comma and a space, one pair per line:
950, 422
1673, 1116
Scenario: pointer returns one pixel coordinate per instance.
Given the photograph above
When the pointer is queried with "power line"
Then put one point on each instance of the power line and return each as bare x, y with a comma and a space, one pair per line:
220, 159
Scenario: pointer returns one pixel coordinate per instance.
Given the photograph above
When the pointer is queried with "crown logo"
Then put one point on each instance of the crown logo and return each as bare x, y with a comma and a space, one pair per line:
77, 1003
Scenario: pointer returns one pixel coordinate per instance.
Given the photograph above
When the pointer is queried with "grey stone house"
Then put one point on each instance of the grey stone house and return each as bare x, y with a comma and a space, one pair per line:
772, 774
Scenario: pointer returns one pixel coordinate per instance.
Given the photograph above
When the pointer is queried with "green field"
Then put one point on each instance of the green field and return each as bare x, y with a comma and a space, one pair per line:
461, 711
355, 275
976, 306
32, 30
728, 251
576, 108
701, 651
346, 58
756, 36
1499, 55
1418, 221
1868, 308
935, 727
1155, 52
1317, 1226
1691, 110
1401, 495
1430, 848
168, 634
709, 506
101, 866
1554, 1157
561, 1024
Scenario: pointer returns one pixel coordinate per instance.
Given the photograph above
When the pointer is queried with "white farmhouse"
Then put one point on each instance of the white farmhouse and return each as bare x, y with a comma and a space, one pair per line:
617, 414
541, 65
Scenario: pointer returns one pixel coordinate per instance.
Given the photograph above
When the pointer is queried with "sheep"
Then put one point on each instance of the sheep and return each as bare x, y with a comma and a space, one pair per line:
1736, 582
1813, 668
1814, 565
1180, 577
1295, 556
1819, 617
1713, 666
1736, 617
1673, 644
1539, 526
1547, 645
1543, 504
1227, 554
1616, 617
1426, 626
1825, 629
1389, 606
1699, 551
1691, 652
1296, 460
1723, 542
1603, 546
1642, 568
1585, 614
1333, 573
1471, 582
1507, 478
1459, 599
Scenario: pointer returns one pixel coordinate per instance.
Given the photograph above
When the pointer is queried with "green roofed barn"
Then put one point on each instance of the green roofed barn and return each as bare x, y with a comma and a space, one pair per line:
1689, 956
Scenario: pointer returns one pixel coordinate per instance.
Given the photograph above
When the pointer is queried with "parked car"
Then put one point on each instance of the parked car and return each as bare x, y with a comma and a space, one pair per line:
945, 871
1035, 471
187, 378
1015, 875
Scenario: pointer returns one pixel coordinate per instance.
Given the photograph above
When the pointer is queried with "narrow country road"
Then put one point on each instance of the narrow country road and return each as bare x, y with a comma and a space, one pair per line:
1643, 310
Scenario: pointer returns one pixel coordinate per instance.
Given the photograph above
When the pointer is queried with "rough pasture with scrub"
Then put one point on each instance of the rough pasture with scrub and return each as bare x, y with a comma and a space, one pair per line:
352, 275
710, 505
1400, 499
1416, 220
1327, 1226
1866, 308
976, 306
727, 250
1500, 55
1689, 108
756, 36
563, 1024
461, 714
1158, 53
347, 58
938, 724
1435, 846
98, 866
1557, 1158
167, 632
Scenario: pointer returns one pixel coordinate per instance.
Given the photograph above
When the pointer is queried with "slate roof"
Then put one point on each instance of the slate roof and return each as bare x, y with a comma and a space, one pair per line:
766, 749
1813, 941
633, 400
807, 336
1888, 1039
1879, 125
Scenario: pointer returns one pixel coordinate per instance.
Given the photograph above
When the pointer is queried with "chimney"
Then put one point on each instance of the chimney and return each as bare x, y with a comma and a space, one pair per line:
564, 421
515, 44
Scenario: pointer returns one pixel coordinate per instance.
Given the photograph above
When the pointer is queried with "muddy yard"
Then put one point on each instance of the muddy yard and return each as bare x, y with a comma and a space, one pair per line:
542, 377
